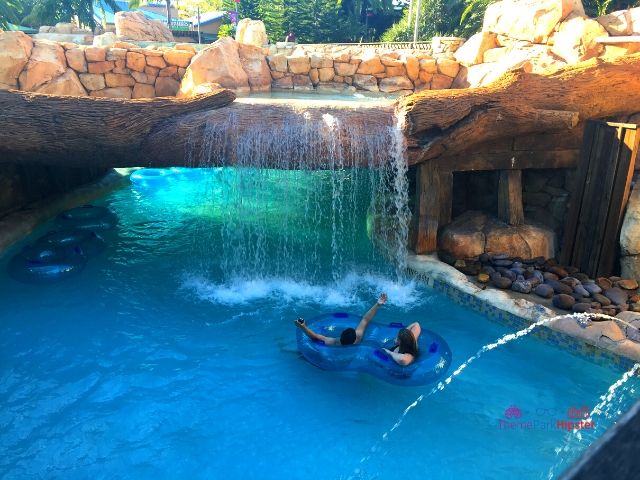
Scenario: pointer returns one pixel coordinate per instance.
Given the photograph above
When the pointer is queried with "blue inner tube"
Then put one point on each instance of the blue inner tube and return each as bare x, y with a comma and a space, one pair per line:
432, 363
47, 263
89, 241
147, 177
87, 217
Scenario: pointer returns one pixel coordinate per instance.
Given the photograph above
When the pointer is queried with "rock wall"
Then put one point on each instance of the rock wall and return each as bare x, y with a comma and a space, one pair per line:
540, 36
330, 67
546, 195
23, 185
135, 26
630, 236
122, 70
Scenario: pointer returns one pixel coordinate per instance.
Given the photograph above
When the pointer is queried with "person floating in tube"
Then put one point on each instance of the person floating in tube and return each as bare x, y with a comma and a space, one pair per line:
404, 352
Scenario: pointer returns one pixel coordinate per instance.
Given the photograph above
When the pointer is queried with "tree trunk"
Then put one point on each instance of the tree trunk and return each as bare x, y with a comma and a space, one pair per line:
88, 131
448, 123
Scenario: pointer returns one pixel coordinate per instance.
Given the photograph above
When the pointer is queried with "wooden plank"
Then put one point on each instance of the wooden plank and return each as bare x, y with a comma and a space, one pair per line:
479, 161
588, 212
600, 200
427, 209
569, 140
619, 198
510, 208
575, 204
446, 197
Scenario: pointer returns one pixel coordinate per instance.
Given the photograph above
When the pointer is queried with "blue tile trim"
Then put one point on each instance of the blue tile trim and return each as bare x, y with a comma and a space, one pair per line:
558, 339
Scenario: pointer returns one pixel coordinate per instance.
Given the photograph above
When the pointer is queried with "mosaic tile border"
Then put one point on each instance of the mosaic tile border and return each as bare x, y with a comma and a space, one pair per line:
558, 339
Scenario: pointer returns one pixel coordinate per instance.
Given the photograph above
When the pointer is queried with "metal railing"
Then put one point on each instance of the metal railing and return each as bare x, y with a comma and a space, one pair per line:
390, 45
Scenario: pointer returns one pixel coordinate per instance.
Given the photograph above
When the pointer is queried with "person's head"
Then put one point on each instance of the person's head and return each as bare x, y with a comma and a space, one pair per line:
407, 342
348, 337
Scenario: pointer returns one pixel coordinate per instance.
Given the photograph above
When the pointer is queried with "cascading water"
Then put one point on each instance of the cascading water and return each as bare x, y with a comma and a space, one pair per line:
283, 183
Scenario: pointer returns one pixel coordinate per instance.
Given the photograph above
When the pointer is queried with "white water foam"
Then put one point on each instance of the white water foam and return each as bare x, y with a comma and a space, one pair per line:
352, 290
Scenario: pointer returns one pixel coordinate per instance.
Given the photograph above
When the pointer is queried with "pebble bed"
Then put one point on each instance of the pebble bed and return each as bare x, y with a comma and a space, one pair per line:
567, 287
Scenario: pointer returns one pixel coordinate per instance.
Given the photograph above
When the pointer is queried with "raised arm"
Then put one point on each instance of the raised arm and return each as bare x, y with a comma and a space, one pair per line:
316, 336
403, 359
362, 326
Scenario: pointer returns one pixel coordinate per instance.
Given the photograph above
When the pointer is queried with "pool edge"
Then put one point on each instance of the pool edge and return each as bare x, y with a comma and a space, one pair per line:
519, 313
20, 224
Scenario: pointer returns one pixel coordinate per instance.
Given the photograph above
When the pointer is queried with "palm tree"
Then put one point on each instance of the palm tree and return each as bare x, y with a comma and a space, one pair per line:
8, 12
50, 12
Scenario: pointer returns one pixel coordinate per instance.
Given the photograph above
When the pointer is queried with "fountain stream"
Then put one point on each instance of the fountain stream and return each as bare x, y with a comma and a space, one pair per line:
581, 317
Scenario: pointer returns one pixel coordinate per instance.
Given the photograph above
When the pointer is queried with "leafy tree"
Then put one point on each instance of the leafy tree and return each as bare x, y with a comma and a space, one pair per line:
189, 8
437, 17
316, 21
8, 12
50, 12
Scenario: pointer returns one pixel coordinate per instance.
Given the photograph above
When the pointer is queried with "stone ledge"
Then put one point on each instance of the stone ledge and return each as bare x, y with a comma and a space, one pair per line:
16, 226
587, 342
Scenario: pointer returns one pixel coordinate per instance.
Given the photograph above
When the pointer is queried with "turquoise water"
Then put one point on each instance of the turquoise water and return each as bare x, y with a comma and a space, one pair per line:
173, 354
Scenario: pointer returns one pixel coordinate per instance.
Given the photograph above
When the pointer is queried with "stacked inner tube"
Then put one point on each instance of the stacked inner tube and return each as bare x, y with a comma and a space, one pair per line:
63, 252
158, 177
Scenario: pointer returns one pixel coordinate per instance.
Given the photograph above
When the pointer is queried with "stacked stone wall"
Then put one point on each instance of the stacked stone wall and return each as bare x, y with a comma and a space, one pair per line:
122, 70
330, 67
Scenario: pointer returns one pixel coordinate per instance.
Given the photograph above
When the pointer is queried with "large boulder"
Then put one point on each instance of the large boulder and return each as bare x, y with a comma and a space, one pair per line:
66, 84
251, 32
299, 64
135, 26
472, 51
15, 50
255, 66
530, 20
630, 237
47, 62
76, 59
218, 63
394, 84
575, 39
370, 63
366, 82
474, 233
622, 22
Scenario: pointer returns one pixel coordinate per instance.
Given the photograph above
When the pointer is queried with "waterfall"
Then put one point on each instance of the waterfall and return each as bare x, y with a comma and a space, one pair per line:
300, 194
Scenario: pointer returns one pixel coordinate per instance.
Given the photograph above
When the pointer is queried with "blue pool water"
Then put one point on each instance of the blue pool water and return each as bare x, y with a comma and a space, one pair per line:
173, 354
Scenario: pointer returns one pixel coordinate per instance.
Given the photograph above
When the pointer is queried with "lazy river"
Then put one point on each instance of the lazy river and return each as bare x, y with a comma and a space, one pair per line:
173, 353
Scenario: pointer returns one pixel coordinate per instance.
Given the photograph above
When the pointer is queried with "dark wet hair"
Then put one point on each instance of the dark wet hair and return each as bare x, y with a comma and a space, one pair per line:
348, 337
407, 342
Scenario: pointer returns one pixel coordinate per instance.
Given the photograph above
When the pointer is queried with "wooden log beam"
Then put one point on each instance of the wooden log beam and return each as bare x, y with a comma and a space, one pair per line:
162, 132
522, 160
446, 197
280, 135
443, 124
88, 131
427, 208
510, 208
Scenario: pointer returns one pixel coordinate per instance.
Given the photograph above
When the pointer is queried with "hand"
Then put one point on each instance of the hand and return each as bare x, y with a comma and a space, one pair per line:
299, 322
383, 299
